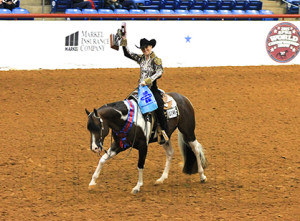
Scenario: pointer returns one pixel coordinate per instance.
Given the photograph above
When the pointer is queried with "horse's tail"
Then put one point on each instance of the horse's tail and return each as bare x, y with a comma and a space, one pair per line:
190, 165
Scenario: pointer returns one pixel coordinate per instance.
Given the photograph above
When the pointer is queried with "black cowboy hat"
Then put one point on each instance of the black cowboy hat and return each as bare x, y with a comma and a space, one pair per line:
144, 43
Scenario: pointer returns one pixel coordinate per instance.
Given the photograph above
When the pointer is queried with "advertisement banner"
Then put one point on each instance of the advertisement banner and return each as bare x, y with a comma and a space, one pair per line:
85, 44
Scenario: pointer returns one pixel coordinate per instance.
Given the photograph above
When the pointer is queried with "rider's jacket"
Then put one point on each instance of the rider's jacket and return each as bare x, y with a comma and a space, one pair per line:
151, 69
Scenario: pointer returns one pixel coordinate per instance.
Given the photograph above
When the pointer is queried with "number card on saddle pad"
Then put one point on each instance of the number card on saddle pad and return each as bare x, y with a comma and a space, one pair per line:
170, 106
146, 100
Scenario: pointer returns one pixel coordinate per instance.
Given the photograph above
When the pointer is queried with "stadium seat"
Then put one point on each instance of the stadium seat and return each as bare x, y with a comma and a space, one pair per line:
21, 11
121, 11
227, 4
210, 12
241, 5
168, 12
213, 4
252, 12
60, 5
196, 12
90, 11
185, 4
136, 11
5, 11
199, 4
182, 12
152, 12
170, 4
267, 12
239, 12
73, 11
255, 5
105, 11
225, 12
151, 4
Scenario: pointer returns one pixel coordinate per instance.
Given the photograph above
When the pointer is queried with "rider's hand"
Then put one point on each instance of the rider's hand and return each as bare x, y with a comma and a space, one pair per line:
143, 83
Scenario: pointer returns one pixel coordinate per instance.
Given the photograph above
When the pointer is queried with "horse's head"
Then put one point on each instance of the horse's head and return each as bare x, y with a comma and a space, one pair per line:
98, 129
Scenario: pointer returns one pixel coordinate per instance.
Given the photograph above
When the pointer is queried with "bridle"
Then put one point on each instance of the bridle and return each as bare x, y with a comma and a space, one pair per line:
101, 134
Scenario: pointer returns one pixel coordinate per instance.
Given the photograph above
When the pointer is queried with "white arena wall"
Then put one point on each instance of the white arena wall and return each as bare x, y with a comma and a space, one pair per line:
42, 44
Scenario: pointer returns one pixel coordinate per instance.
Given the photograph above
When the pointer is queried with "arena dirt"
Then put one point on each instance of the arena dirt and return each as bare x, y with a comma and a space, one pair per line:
247, 120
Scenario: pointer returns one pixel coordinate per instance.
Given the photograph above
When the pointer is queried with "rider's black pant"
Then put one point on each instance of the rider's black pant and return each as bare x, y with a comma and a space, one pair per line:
160, 110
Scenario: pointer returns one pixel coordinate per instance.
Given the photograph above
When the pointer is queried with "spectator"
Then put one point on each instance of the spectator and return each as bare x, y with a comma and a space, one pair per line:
8, 4
82, 4
112, 4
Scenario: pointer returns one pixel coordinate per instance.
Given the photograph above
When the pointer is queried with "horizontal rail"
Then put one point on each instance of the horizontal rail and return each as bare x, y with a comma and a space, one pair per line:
153, 16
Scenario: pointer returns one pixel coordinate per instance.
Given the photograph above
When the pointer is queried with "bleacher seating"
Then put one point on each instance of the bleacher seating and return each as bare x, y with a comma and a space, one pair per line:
152, 12
21, 11
105, 11
181, 12
90, 11
199, 4
241, 5
196, 12
73, 11
267, 12
227, 5
254, 5
168, 12
5, 11
239, 12
136, 11
213, 4
121, 11
252, 12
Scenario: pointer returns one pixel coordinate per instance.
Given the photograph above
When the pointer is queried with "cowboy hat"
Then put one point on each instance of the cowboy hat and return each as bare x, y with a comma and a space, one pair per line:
144, 43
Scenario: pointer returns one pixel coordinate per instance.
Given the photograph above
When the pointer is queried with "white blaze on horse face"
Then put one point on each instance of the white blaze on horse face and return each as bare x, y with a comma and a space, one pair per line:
93, 144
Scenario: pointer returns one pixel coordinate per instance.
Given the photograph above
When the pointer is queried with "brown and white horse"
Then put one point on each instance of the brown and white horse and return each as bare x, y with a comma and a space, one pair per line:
131, 128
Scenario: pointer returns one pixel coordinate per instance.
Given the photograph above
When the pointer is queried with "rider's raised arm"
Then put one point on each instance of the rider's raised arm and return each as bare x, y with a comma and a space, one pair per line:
127, 52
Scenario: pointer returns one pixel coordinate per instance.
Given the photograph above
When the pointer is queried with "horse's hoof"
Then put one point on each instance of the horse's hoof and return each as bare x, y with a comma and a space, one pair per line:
91, 187
204, 180
134, 191
158, 182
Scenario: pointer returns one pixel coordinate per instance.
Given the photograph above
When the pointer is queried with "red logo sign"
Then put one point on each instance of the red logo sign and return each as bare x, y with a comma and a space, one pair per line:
283, 42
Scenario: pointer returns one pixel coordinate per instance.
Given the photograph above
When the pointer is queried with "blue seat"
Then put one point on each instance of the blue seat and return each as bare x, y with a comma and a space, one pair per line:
182, 12
136, 11
241, 5
73, 11
151, 4
199, 4
105, 11
171, 4
5, 11
210, 12
227, 4
252, 12
196, 12
255, 5
239, 12
213, 4
21, 11
121, 11
152, 12
225, 12
89, 11
167, 12
267, 12
60, 5
185, 4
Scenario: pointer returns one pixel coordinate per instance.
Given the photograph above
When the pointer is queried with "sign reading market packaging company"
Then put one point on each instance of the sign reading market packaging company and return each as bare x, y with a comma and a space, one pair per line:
283, 42
86, 41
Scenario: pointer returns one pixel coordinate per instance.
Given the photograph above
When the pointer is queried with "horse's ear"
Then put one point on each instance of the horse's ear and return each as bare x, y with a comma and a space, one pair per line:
87, 112
96, 113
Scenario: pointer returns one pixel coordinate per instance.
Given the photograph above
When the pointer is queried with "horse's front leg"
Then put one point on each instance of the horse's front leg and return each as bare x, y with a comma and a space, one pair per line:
142, 157
102, 161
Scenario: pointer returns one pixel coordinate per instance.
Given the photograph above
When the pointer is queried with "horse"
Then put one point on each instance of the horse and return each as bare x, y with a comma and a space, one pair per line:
130, 128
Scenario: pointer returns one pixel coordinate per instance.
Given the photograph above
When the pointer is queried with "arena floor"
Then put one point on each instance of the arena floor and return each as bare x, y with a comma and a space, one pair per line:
248, 120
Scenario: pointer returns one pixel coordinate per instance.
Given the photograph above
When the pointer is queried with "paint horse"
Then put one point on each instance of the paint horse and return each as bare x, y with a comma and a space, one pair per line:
130, 128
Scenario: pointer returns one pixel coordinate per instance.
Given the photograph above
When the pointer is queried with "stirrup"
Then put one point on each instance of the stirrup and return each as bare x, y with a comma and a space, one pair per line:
162, 137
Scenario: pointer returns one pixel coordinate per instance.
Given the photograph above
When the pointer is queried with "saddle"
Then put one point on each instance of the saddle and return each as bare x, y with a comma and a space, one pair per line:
170, 109
170, 105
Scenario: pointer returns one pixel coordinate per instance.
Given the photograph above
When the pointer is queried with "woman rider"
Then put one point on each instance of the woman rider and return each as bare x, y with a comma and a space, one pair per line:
151, 70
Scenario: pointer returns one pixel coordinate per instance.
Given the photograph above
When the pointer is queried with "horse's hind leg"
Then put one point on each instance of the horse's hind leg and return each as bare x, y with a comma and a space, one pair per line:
169, 155
198, 151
